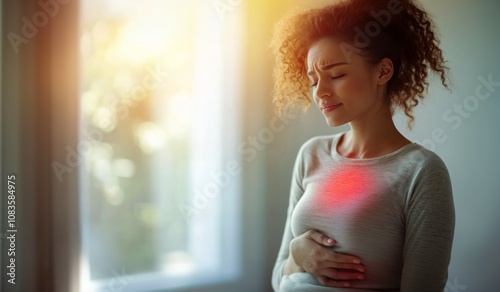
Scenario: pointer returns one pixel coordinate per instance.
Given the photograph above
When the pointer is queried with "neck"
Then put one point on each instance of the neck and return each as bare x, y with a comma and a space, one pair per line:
372, 136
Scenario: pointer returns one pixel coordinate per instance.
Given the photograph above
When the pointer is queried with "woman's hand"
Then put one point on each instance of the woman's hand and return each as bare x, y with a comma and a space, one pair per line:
308, 253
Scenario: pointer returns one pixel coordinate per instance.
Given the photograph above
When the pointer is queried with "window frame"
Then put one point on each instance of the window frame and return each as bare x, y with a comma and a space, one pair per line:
40, 120
37, 125
232, 253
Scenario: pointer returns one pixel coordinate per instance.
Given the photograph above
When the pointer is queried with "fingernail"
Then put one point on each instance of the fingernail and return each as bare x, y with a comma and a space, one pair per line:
329, 241
357, 261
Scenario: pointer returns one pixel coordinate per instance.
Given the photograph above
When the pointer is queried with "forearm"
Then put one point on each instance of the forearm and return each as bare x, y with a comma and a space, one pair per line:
283, 268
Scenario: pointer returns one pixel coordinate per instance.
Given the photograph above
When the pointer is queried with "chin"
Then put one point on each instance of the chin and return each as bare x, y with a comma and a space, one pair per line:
335, 123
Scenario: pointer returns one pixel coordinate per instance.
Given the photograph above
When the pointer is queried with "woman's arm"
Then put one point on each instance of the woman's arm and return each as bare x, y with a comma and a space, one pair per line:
307, 252
296, 192
430, 224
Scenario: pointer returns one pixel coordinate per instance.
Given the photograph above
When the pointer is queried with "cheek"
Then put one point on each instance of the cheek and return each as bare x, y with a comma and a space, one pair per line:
355, 86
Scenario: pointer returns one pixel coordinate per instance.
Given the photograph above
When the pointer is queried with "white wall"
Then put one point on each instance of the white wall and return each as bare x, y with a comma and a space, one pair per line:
470, 40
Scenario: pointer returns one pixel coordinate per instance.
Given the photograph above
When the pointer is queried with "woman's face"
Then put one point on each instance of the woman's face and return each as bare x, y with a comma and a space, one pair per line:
344, 86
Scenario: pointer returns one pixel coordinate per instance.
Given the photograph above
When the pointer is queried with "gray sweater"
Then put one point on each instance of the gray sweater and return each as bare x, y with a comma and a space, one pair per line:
395, 212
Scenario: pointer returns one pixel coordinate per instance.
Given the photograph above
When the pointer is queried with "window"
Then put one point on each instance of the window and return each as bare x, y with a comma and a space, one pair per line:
158, 107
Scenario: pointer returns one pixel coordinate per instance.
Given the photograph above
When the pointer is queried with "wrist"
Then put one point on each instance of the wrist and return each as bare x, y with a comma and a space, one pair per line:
291, 267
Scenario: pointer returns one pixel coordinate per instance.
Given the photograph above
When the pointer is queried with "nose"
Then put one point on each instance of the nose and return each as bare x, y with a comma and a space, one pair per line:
323, 89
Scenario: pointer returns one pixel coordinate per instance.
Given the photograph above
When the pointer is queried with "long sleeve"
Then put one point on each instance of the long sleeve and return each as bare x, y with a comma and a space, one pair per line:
401, 226
430, 224
296, 192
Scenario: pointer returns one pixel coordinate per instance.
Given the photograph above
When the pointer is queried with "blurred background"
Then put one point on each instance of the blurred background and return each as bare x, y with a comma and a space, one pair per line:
147, 155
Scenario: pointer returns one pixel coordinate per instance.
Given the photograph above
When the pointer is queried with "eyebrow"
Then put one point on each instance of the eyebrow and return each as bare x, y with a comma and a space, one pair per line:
327, 67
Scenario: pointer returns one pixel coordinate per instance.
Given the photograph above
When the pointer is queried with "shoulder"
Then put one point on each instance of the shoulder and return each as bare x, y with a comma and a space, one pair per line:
313, 152
417, 167
425, 160
427, 174
318, 145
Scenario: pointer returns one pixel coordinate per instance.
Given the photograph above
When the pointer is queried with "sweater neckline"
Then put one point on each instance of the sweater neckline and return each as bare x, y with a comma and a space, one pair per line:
377, 159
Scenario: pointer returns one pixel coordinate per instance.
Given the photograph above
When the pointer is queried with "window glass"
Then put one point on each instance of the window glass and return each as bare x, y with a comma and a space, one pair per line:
160, 173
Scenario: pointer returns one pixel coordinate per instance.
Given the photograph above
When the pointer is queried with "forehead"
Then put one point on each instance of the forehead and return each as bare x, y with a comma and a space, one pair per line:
324, 52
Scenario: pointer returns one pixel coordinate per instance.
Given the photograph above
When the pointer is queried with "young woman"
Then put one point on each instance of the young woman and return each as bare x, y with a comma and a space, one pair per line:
369, 210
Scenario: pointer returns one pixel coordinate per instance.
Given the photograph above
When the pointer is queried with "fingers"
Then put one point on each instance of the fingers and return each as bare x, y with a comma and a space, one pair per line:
337, 271
339, 278
343, 258
328, 282
321, 254
338, 274
344, 266
324, 254
320, 238
324, 240
332, 269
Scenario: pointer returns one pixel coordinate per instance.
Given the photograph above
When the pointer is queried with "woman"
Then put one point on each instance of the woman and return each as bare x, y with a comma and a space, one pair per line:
369, 210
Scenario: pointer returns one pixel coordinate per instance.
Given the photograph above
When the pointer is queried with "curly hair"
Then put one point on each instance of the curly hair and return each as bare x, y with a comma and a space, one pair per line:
407, 36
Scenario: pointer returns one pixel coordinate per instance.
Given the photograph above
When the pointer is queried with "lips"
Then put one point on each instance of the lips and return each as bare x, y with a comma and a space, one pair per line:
328, 108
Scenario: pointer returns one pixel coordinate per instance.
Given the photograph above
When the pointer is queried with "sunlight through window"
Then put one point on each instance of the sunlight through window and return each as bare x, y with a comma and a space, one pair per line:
159, 106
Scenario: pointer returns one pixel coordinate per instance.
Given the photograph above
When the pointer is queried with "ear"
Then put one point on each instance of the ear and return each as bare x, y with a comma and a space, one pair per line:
385, 70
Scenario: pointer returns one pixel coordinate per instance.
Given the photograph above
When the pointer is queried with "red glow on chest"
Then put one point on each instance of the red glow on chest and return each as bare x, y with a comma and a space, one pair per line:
347, 186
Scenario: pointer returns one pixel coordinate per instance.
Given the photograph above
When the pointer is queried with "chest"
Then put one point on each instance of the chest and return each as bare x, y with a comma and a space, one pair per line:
350, 201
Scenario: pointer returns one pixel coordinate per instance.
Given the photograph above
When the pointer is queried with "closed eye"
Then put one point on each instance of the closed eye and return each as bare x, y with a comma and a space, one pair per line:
337, 77
332, 78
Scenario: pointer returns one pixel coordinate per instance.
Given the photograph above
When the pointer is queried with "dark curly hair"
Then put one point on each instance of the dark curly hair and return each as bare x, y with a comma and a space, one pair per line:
405, 34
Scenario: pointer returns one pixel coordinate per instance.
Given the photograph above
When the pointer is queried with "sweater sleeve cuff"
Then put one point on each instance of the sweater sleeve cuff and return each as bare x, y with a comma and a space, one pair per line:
278, 275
